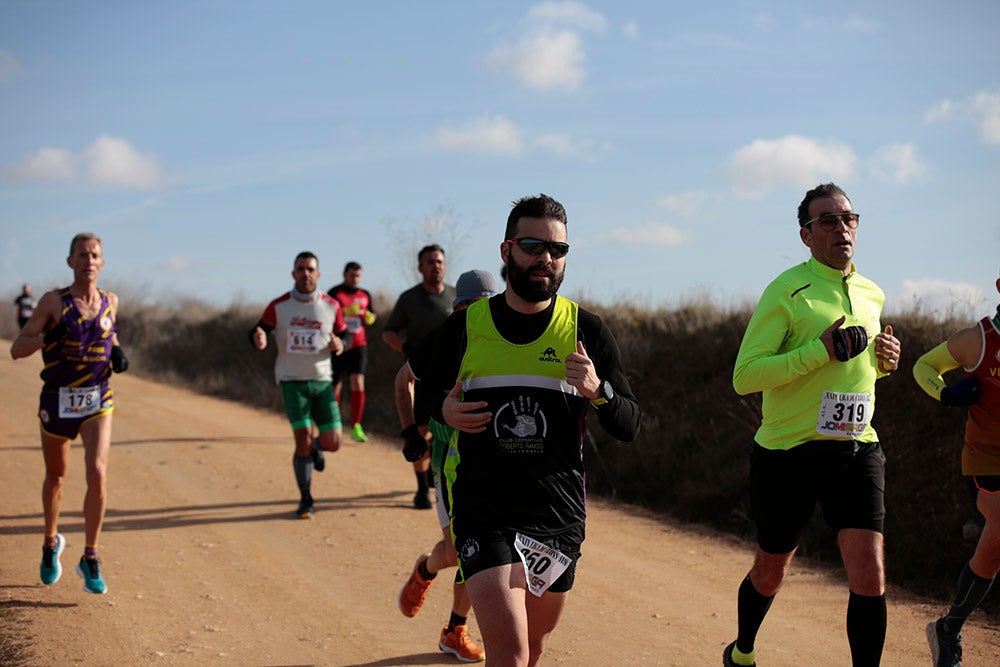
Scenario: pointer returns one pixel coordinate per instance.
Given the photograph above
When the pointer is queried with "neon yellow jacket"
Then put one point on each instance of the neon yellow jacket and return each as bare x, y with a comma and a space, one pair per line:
782, 356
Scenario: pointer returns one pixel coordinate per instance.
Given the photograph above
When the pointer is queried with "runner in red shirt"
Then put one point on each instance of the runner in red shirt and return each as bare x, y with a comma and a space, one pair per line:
977, 350
356, 304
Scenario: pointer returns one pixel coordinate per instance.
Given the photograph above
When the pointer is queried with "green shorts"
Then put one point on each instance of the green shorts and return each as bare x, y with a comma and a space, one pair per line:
309, 401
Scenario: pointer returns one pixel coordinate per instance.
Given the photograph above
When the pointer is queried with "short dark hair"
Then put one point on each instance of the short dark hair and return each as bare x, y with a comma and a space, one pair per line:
434, 247
818, 192
352, 266
305, 254
542, 206
83, 237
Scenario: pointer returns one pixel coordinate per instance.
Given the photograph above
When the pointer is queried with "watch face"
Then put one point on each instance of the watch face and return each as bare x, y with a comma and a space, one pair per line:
607, 391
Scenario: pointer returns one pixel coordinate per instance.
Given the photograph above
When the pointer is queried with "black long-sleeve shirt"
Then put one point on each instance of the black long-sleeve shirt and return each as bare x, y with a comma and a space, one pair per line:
540, 491
438, 360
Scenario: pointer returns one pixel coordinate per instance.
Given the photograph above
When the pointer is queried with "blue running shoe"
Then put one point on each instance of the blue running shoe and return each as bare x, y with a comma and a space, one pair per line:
89, 570
319, 459
51, 568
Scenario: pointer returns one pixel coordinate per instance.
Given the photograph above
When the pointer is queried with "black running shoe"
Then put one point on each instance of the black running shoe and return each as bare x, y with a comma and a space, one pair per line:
305, 510
727, 657
946, 648
421, 500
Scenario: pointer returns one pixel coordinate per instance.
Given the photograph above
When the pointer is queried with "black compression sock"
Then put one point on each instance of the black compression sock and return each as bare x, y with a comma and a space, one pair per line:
751, 609
969, 592
303, 466
456, 620
866, 621
424, 572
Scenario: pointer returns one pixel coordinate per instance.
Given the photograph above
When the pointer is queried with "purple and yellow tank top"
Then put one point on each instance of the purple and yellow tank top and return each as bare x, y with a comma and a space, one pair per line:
83, 358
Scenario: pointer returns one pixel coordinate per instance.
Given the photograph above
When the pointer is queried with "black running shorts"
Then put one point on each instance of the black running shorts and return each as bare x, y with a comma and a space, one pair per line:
482, 550
846, 478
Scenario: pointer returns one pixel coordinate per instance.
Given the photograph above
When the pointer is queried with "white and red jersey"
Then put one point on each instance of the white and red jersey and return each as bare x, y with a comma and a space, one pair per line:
302, 332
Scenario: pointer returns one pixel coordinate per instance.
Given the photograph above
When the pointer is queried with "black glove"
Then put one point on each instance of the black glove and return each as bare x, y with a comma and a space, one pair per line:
56, 334
849, 342
263, 327
962, 393
414, 444
119, 363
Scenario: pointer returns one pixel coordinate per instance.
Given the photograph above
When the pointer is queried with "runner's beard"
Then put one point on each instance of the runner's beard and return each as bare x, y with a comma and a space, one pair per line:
531, 290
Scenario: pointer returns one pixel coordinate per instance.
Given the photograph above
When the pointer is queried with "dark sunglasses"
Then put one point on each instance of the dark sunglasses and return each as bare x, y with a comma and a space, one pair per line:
829, 221
532, 246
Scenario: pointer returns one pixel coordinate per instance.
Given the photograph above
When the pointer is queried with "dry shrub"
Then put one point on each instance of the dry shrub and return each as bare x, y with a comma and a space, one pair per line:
690, 459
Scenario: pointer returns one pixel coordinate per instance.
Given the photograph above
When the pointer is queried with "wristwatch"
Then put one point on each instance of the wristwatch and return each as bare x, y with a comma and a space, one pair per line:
604, 394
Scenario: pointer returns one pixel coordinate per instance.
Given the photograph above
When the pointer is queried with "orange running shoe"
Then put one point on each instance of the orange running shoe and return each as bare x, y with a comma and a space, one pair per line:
457, 643
414, 591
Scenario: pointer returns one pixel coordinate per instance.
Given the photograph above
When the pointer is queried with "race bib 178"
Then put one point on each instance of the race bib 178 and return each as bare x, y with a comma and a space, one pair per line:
76, 402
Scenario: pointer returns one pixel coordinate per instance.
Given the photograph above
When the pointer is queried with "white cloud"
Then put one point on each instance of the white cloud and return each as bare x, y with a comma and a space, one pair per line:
987, 106
943, 110
558, 143
650, 235
982, 109
631, 30
550, 55
10, 69
765, 164
114, 162
545, 61
898, 163
178, 263
499, 136
564, 145
684, 203
939, 297
860, 24
47, 165
109, 162
496, 135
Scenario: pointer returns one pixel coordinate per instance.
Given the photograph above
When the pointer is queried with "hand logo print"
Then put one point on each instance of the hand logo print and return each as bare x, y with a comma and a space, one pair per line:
524, 420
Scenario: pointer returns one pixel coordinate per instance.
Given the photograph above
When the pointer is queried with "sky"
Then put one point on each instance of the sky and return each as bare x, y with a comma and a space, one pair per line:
209, 142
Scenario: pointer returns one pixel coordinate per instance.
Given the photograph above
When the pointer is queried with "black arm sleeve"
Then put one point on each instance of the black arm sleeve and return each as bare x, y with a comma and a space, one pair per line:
260, 323
620, 416
436, 359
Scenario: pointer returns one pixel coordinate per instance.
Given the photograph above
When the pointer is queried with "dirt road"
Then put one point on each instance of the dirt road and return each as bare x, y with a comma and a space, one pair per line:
205, 565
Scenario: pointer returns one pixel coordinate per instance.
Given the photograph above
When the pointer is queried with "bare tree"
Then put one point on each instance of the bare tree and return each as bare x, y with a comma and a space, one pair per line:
443, 226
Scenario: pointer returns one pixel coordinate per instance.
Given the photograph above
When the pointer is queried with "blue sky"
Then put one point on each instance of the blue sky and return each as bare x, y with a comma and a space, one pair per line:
209, 142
